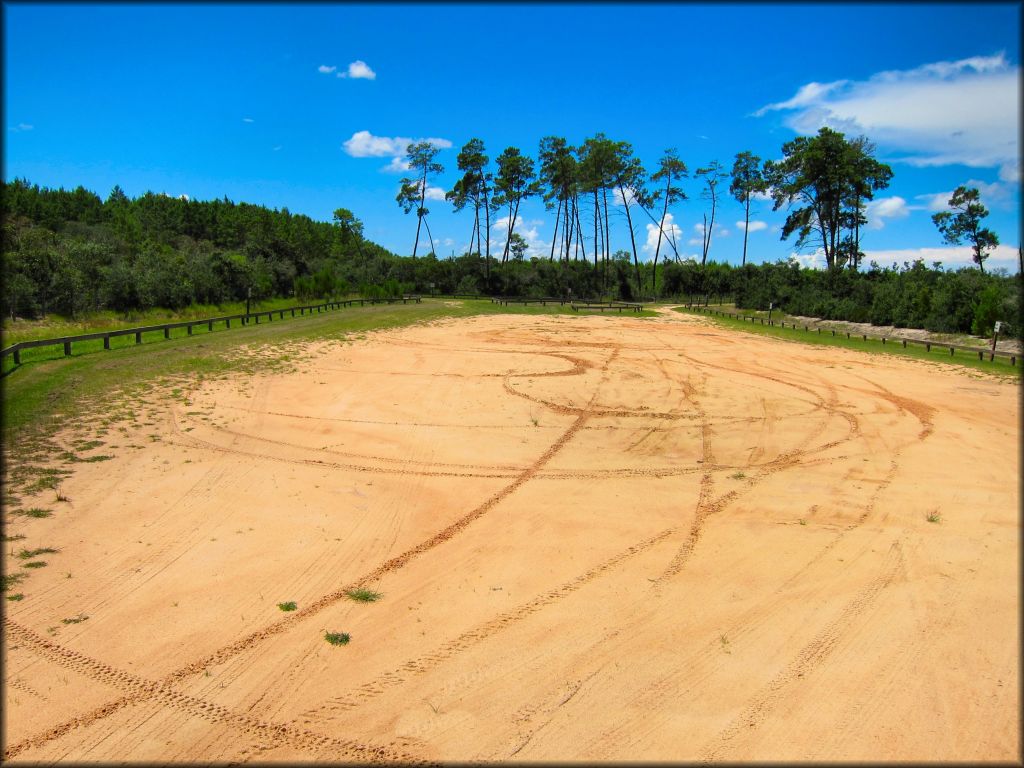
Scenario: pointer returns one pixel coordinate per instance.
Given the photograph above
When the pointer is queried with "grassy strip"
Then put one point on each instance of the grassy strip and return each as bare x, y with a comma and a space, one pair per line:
1000, 365
56, 352
40, 391
55, 326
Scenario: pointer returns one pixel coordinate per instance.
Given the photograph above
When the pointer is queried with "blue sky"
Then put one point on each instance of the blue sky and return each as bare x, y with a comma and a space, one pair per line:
307, 107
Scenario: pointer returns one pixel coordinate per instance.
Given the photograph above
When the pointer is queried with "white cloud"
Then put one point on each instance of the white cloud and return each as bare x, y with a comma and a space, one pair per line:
434, 193
325, 70
277, 148
961, 112
670, 230
952, 257
995, 193
808, 94
365, 144
20, 127
934, 201
877, 211
755, 226
358, 70
248, 120
815, 260
397, 165
718, 231
526, 229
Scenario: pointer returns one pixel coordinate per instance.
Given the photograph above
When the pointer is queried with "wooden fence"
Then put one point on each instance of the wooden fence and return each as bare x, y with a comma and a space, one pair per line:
982, 353
244, 319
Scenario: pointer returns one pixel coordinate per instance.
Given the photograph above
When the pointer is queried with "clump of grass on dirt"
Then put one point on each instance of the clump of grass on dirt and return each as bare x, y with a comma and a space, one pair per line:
337, 638
12, 580
363, 595
15, 537
738, 475
934, 517
16, 598
289, 606
28, 554
75, 619
33, 512
35, 564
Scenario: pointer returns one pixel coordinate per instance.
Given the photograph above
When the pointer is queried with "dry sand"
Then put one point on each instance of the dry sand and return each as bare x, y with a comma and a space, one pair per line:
597, 538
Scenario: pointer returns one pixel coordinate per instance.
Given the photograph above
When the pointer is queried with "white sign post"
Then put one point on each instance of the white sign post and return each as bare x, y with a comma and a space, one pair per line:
995, 336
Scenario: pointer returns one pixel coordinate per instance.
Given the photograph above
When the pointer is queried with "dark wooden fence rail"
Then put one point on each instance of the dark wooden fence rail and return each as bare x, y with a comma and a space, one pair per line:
15, 349
884, 339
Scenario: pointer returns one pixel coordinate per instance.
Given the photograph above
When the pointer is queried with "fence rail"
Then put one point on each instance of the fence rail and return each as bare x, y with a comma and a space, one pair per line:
981, 352
245, 318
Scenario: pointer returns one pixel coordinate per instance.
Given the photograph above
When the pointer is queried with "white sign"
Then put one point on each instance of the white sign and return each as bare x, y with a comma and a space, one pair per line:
999, 325
771, 304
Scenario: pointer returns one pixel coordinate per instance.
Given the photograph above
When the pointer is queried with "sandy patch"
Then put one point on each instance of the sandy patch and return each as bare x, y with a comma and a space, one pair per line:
595, 538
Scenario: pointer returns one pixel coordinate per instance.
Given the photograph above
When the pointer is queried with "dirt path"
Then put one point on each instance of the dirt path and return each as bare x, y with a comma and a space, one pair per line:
595, 538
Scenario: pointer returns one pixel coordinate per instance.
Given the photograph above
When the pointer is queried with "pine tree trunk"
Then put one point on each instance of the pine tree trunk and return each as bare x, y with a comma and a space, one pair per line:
554, 237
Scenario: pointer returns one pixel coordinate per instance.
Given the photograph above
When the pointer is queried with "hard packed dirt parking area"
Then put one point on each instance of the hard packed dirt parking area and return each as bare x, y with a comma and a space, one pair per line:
544, 538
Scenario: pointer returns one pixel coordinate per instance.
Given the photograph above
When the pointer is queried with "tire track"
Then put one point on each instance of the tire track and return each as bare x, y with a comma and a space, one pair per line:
233, 649
140, 690
422, 664
810, 657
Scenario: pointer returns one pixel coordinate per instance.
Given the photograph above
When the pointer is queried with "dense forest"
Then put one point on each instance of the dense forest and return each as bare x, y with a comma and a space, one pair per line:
71, 252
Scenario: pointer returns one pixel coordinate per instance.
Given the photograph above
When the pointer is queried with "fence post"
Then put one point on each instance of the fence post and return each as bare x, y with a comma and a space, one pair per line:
17, 356
167, 332
227, 322
904, 343
106, 341
257, 319
209, 326
189, 329
67, 349
928, 346
138, 337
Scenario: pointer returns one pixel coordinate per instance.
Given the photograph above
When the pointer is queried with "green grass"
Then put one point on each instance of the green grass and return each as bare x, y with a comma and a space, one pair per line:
28, 554
337, 638
856, 342
35, 564
15, 537
289, 606
363, 595
75, 620
15, 598
738, 475
12, 580
934, 517
33, 512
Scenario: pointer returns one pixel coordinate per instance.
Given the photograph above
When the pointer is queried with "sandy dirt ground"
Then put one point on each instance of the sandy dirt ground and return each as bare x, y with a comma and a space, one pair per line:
595, 539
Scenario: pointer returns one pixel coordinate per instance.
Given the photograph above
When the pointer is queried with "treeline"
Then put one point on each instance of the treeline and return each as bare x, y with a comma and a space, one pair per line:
911, 295
69, 252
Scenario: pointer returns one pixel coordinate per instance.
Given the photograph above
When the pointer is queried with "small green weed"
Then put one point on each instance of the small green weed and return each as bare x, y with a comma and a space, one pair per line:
934, 517
737, 475
12, 579
75, 620
28, 554
337, 638
15, 598
803, 521
35, 564
289, 606
15, 537
33, 512
363, 595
